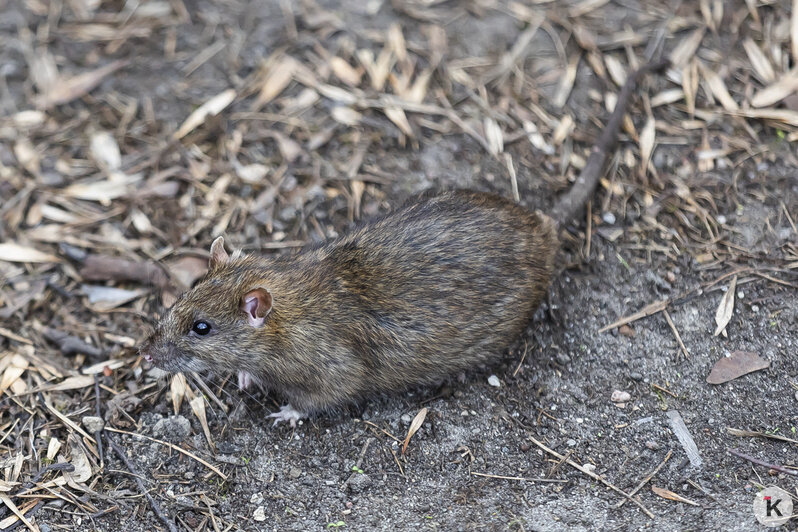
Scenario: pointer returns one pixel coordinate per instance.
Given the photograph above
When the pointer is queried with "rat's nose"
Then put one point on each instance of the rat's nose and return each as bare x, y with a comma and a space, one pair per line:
147, 356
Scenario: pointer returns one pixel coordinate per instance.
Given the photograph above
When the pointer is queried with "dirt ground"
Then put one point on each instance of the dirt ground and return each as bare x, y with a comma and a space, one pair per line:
305, 147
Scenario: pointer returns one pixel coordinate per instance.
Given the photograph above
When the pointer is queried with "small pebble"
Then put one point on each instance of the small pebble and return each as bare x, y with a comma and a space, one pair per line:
524, 447
93, 423
626, 331
174, 429
620, 397
608, 218
294, 472
571, 443
650, 444
589, 467
259, 514
562, 359
256, 498
406, 418
494, 381
721, 219
359, 482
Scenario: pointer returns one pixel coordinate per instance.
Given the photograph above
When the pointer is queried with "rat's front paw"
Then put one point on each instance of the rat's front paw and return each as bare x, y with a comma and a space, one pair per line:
287, 413
244, 380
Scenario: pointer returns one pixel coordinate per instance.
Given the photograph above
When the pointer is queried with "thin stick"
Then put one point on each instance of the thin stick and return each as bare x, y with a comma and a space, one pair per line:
648, 310
487, 475
589, 230
153, 503
664, 390
645, 480
172, 446
585, 184
676, 333
13, 507
593, 476
523, 356
97, 435
762, 463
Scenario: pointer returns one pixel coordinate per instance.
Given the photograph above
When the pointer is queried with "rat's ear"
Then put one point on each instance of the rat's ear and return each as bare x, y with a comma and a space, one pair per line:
256, 304
218, 255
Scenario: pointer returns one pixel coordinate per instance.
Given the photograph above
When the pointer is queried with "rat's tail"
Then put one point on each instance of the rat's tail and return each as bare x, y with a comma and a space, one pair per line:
575, 199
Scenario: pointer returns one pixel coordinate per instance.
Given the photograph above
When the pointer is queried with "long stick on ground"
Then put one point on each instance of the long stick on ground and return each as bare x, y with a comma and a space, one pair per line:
143, 489
593, 476
576, 198
645, 480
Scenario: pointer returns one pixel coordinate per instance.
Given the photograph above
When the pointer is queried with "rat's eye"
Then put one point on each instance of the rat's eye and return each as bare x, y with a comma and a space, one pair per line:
201, 327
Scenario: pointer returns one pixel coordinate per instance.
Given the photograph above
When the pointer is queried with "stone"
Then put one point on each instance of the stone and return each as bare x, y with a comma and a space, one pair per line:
173, 428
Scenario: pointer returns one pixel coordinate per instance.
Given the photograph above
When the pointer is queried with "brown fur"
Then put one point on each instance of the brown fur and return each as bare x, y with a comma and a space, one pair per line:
440, 285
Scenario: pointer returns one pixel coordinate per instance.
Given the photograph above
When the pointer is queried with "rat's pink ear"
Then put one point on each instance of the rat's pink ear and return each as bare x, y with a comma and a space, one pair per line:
257, 303
218, 255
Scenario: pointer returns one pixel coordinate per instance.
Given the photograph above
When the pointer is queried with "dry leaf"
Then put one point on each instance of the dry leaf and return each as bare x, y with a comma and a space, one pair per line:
116, 186
414, 426
667, 494
178, 390
70, 383
66, 90
105, 365
16, 367
687, 47
564, 128
27, 156
726, 308
794, 31
345, 72
759, 61
346, 115
105, 298
647, 140
667, 97
779, 115
13, 252
718, 88
418, 91
735, 365
276, 81
186, 270
777, 91
397, 41
5, 499
28, 119
79, 460
566, 82
53, 447
494, 136
105, 151
398, 117
212, 107
616, 70
198, 407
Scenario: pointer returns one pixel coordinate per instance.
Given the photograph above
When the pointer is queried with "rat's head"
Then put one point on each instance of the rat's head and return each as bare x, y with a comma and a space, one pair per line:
210, 327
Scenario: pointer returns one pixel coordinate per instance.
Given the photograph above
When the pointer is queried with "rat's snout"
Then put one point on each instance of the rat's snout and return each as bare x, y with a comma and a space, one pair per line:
158, 353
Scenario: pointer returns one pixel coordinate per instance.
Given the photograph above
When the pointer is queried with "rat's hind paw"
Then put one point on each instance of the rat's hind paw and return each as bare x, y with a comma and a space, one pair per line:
287, 413
244, 380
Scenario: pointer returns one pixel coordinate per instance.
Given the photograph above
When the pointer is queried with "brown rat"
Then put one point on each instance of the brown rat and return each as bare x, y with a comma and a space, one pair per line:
426, 292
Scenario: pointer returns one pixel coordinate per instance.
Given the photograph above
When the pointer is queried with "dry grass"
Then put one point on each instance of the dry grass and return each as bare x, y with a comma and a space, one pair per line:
107, 209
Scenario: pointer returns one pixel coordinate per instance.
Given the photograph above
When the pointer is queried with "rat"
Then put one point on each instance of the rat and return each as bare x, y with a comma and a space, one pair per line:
442, 284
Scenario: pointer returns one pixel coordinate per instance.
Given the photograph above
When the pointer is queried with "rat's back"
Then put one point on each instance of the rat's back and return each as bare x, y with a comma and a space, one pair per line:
441, 284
